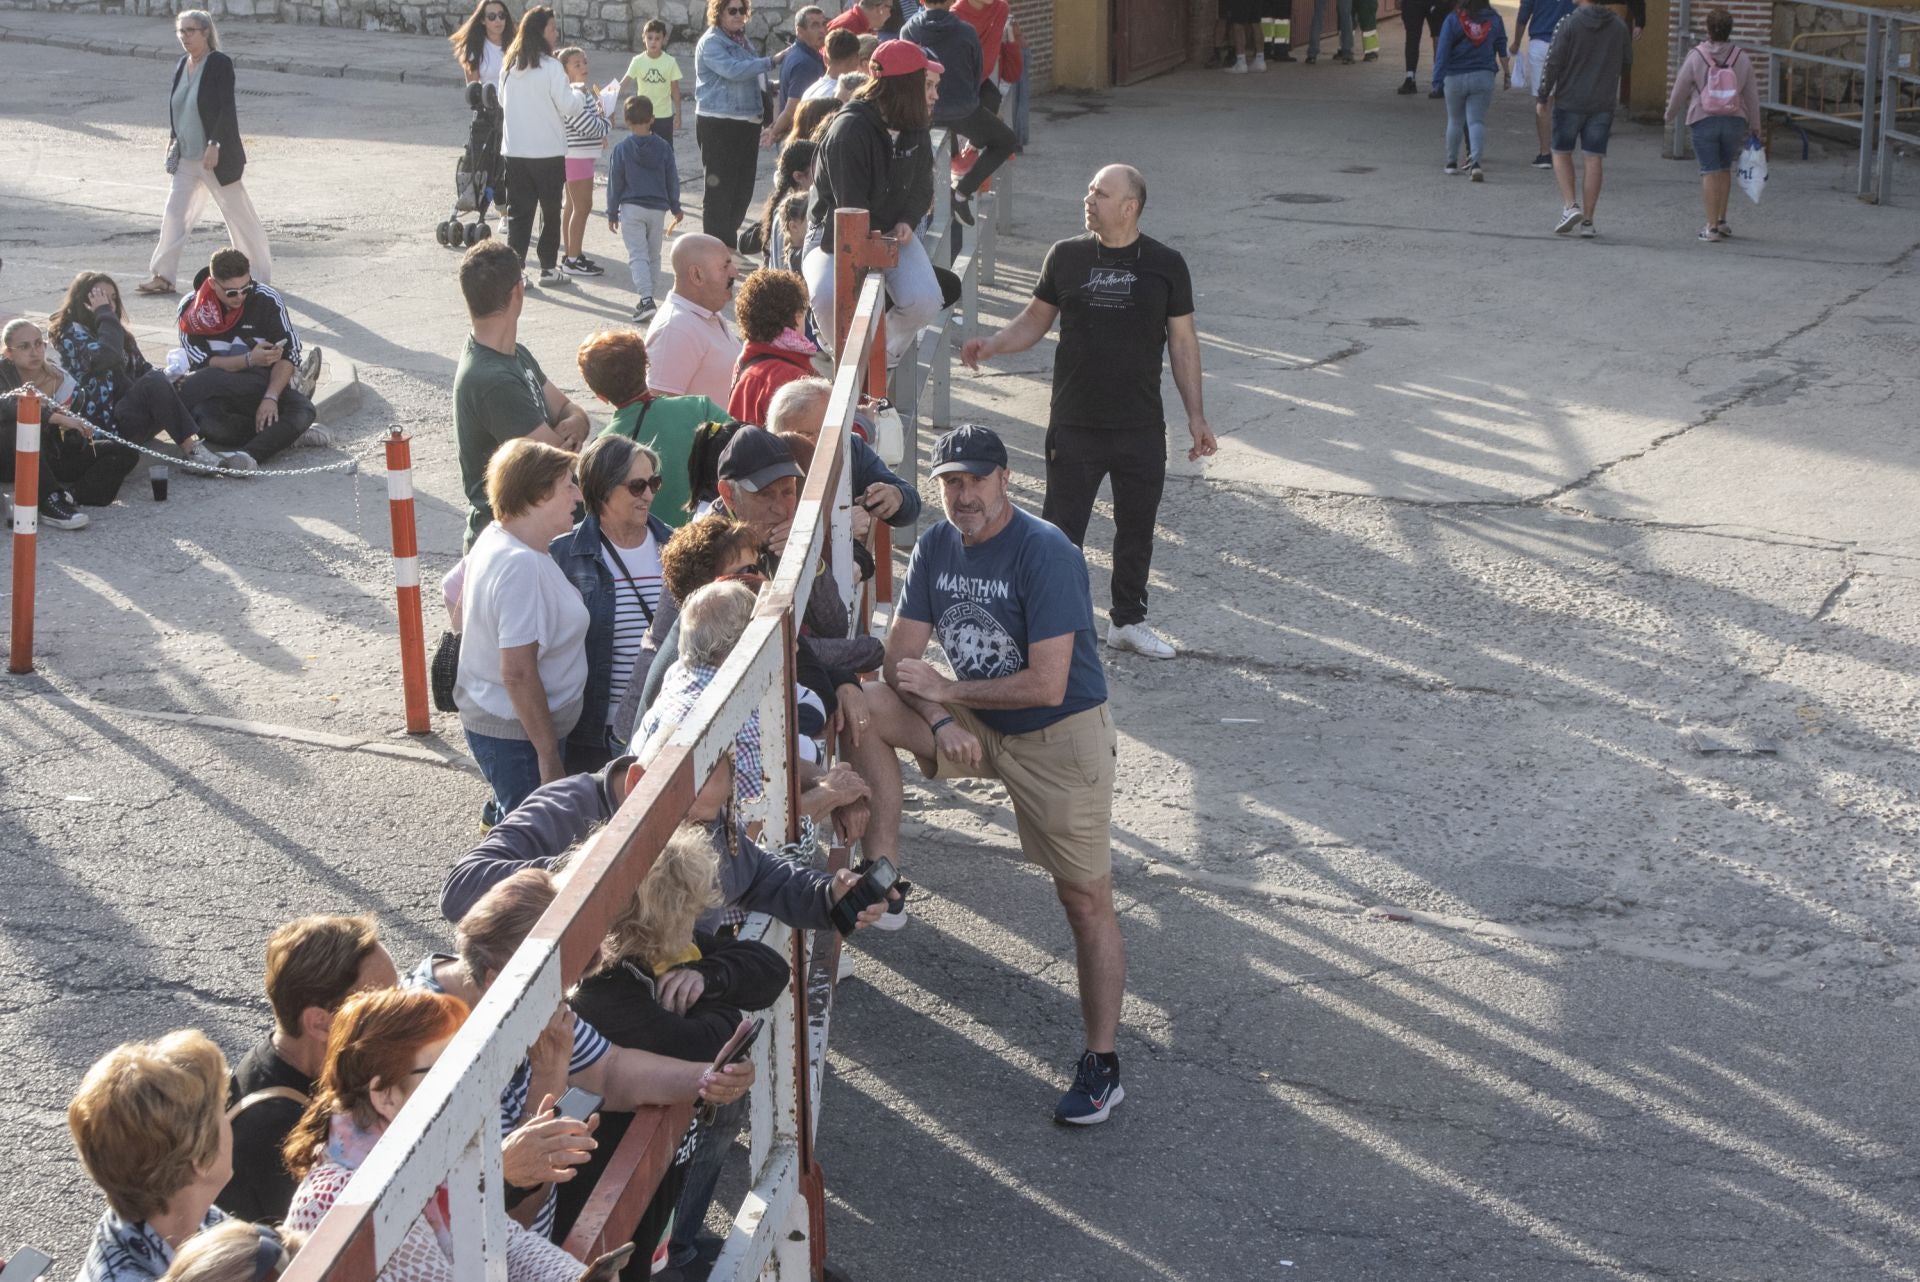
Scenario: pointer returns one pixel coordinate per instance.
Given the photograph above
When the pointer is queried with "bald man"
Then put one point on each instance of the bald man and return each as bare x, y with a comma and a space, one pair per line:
1122, 299
690, 347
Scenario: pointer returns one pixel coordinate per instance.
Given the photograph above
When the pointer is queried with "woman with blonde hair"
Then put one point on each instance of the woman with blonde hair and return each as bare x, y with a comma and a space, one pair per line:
204, 156
150, 1124
236, 1252
523, 653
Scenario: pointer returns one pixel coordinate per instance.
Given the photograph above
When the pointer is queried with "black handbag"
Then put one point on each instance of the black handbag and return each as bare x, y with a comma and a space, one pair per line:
443, 670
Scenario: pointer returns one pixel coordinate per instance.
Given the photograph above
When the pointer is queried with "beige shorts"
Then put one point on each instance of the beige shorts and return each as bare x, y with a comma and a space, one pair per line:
1061, 781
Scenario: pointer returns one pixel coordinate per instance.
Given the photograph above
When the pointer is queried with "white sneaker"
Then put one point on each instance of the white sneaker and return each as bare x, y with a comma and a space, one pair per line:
239, 461
201, 458
1259, 62
554, 278
314, 438
1239, 67
1140, 639
307, 377
1569, 219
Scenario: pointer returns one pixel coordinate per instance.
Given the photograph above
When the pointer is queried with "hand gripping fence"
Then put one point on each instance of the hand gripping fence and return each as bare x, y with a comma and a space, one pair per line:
406, 554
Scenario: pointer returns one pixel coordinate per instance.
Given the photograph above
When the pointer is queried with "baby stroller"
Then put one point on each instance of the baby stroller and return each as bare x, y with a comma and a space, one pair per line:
479, 176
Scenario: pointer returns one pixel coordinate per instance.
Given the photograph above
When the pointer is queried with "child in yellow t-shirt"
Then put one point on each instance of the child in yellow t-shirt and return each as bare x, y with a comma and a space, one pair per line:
655, 75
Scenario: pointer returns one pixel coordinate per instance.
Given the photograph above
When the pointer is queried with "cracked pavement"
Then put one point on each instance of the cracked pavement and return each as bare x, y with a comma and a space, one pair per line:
1450, 958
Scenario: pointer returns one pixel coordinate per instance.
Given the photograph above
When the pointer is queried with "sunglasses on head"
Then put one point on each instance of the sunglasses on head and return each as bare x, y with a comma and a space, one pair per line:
643, 485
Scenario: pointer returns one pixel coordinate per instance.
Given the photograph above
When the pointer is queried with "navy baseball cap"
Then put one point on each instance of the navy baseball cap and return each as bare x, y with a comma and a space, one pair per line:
968, 448
755, 458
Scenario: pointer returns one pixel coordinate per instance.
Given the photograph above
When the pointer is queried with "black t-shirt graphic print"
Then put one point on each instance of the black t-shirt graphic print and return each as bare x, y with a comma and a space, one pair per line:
1114, 307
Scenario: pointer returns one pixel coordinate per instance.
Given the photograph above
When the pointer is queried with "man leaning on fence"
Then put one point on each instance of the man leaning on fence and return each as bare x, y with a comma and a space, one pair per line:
1006, 594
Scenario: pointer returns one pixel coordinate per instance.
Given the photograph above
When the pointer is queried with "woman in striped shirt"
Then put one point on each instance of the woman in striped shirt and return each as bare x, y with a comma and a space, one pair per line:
613, 557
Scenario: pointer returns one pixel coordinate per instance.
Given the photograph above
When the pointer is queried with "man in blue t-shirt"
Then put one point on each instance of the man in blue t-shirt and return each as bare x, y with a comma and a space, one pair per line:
1006, 593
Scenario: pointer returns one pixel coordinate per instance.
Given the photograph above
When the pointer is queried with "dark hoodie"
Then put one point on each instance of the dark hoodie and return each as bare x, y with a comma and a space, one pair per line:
955, 45
862, 166
1590, 51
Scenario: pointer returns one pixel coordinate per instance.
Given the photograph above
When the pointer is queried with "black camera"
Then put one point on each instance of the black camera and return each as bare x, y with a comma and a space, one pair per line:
879, 877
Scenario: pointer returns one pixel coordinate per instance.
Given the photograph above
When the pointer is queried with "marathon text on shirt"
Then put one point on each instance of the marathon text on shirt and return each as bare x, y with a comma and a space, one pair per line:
968, 585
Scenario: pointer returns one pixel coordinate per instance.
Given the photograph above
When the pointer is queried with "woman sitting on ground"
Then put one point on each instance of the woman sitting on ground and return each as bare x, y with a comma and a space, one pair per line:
119, 388
74, 468
150, 1123
380, 1049
612, 557
772, 311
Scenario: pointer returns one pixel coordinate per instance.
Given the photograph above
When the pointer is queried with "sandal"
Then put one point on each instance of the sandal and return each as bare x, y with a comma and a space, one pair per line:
154, 286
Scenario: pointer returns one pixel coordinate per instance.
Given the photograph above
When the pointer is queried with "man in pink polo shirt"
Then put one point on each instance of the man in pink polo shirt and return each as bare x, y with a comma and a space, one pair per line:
690, 347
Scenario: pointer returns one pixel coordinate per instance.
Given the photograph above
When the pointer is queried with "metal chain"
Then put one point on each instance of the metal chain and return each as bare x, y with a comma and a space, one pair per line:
350, 467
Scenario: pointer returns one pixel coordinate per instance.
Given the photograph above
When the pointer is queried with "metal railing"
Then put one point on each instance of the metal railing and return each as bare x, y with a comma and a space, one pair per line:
448, 1134
1883, 90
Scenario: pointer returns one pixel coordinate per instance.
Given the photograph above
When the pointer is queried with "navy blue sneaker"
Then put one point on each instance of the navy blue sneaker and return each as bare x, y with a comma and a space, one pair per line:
1095, 1092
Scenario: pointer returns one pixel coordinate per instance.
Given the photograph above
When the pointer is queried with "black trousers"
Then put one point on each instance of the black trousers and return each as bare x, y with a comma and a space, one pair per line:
1417, 13
152, 406
730, 153
224, 401
993, 136
535, 184
91, 471
1078, 459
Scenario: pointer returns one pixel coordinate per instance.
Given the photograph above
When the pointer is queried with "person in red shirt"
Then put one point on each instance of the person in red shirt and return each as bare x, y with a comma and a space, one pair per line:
772, 310
865, 17
988, 18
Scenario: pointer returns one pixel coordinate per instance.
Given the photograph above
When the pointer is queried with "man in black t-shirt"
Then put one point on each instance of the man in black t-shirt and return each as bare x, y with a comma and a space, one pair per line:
313, 965
1122, 298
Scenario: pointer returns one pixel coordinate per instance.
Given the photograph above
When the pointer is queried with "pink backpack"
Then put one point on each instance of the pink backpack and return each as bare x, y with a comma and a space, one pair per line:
1720, 91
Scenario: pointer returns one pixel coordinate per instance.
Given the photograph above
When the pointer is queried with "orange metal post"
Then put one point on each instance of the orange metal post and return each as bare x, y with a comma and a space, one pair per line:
26, 528
406, 577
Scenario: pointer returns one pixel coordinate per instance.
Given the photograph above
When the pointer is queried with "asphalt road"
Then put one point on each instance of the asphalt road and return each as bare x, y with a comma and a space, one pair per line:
1498, 520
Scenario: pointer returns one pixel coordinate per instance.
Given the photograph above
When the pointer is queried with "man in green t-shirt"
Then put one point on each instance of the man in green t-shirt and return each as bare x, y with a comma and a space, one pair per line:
614, 365
500, 391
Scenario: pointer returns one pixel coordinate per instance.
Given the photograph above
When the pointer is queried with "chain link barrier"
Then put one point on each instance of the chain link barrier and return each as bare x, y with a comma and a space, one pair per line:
349, 466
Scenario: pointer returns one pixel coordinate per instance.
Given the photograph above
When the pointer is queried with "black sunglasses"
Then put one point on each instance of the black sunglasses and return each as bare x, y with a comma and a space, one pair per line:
643, 485
734, 13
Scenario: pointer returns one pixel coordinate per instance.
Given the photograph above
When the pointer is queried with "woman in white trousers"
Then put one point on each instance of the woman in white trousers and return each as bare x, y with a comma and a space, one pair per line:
205, 157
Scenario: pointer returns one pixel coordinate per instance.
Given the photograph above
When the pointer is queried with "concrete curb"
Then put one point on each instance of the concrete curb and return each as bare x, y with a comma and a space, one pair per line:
339, 392
242, 61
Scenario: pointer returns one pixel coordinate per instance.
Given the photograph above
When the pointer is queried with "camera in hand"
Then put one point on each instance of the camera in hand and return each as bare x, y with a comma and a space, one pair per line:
879, 878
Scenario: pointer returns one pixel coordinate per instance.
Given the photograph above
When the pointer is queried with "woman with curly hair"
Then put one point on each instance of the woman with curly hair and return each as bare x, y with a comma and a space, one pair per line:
771, 308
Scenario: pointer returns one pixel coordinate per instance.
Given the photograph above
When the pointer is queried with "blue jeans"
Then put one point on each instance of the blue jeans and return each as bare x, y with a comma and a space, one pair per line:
1718, 142
1468, 94
511, 768
1590, 130
1019, 92
1344, 8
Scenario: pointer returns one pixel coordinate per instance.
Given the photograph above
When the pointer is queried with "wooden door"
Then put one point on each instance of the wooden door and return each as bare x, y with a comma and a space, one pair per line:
1149, 37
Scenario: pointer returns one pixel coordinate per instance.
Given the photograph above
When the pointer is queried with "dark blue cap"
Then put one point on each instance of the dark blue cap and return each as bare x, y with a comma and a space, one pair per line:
968, 448
755, 458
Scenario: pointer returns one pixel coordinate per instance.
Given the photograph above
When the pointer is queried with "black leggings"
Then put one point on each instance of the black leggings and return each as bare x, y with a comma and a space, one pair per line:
1415, 13
730, 152
148, 408
224, 402
535, 183
1078, 459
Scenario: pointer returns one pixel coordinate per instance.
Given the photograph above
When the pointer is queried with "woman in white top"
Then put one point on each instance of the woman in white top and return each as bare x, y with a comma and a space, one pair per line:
537, 102
523, 646
480, 44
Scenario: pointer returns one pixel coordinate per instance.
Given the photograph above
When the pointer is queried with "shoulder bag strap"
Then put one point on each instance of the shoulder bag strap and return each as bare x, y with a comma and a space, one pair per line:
618, 560
262, 1096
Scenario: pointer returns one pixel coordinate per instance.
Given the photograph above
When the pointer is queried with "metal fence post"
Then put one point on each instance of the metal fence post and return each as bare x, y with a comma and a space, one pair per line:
26, 528
1869, 104
406, 578
1887, 73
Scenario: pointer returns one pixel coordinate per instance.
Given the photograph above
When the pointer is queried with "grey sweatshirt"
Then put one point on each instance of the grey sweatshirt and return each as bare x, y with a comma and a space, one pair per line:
1590, 51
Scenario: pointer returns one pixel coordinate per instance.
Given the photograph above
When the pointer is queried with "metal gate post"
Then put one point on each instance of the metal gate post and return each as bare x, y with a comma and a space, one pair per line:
1890, 110
1869, 104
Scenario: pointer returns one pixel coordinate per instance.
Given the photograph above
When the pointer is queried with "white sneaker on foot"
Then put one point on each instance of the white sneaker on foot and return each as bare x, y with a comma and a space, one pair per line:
1140, 639
1569, 219
1259, 62
1239, 67
307, 377
314, 438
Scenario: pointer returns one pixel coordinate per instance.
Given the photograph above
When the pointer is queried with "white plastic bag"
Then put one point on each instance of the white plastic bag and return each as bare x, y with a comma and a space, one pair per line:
1751, 171
1519, 78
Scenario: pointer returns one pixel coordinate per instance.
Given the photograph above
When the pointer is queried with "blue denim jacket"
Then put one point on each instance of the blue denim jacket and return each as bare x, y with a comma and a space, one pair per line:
578, 554
726, 77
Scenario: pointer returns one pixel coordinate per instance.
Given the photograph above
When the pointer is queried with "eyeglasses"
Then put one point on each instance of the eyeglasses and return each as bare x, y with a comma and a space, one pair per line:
241, 292
644, 485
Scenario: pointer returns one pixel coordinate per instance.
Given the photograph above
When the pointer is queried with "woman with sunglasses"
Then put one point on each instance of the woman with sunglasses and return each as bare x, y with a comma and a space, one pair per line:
480, 43
205, 156
728, 77
613, 558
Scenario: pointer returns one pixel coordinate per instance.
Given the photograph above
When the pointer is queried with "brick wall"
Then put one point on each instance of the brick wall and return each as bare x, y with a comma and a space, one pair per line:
1035, 20
1752, 23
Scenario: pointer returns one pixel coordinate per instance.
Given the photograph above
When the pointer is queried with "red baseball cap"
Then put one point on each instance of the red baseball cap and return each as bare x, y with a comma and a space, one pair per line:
903, 58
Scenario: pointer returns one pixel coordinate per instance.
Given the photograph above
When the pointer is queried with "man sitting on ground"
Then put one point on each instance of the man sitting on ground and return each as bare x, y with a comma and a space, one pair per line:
313, 965
690, 346
249, 382
500, 391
